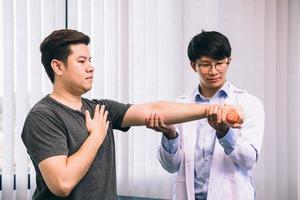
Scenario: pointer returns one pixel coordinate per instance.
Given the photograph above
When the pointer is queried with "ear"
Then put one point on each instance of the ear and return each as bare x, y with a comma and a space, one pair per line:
57, 66
193, 65
229, 60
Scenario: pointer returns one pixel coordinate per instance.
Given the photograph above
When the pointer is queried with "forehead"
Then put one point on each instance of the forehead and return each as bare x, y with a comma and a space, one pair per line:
208, 59
79, 50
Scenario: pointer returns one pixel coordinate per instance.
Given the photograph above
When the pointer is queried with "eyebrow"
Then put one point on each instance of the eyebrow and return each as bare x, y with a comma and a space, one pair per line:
84, 57
209, 61
206, 61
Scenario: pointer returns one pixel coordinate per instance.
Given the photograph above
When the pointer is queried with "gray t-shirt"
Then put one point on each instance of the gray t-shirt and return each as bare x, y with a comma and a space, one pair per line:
52, 129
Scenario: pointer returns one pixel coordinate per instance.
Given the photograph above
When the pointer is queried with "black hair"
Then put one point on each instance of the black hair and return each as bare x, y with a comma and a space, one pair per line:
209, 43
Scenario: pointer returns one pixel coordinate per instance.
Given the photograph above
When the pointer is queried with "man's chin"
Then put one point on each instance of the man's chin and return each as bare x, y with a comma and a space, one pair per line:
85, 90
213, 85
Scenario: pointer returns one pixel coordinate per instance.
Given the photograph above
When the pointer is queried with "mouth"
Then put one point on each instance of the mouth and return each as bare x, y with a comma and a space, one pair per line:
89, 78
213, 80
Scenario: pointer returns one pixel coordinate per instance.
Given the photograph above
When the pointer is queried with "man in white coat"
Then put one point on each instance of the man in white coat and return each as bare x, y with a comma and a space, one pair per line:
212, 160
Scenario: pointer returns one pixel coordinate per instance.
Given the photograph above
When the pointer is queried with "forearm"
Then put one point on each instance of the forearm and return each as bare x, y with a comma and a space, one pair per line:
79, 163
171, 112
174, 113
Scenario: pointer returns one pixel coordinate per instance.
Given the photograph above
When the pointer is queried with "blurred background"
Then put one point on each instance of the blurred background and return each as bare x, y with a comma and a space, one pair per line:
139, 52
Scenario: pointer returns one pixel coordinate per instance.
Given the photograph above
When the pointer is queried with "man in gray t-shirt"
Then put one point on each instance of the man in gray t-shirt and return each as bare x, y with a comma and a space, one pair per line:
68, 132
69, 138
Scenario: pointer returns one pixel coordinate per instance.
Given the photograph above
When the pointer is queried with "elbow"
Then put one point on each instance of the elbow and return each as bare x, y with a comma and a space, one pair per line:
171, 165
247, 165
64, 191
246, 159
250, 165
62, 188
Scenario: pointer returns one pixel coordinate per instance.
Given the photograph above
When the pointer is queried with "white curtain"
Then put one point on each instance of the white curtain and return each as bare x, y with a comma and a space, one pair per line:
139, 51
23, 24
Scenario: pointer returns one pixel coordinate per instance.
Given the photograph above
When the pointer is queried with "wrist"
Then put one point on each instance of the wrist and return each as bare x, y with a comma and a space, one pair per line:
222, 132
171, 135
98, 138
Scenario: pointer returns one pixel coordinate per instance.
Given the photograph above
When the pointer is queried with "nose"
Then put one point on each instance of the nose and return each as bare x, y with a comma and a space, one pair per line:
213, 69
90, 68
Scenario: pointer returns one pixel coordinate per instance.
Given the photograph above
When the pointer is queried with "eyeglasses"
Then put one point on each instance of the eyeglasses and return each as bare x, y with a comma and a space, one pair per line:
219, 66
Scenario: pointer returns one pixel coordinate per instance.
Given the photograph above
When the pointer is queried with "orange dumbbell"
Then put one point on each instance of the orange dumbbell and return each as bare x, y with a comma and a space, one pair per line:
232, 117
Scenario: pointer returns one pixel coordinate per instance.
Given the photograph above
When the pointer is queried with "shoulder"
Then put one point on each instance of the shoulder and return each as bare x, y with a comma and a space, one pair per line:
245, 99
43, 112
44, 106
41, 117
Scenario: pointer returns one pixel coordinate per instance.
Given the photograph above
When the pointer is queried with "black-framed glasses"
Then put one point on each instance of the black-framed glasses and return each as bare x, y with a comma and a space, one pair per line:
219, 66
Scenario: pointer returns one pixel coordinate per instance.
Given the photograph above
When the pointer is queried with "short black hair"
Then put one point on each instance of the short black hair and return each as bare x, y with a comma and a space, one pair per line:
57, 46
209, 43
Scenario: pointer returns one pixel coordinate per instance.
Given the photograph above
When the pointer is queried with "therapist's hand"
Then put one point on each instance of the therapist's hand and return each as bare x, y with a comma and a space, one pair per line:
217, 118
155, 121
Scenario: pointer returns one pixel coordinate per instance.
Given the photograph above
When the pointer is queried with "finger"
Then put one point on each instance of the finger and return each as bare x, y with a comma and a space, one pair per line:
96, 113
156, 120
215, 109
102, 109
105, 115
212, 113
223, 115
151, 120
88, 119
207, 110
148, 120
87, 116
106, 125
161, 122
219, 115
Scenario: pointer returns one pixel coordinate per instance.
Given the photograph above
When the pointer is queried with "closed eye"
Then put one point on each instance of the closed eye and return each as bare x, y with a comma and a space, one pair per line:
204, 65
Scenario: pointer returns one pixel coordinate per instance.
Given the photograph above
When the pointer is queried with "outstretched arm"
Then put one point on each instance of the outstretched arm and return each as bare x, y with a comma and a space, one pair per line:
171, 112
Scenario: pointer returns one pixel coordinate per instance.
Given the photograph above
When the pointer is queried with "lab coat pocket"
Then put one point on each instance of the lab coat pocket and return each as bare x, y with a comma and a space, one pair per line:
235, 177
237, 190
233, 172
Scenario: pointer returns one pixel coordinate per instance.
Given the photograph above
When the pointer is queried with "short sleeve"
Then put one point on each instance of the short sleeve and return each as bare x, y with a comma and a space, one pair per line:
44, 136
117, 112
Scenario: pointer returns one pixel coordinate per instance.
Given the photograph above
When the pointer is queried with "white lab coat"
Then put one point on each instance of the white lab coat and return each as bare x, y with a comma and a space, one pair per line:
230, 175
